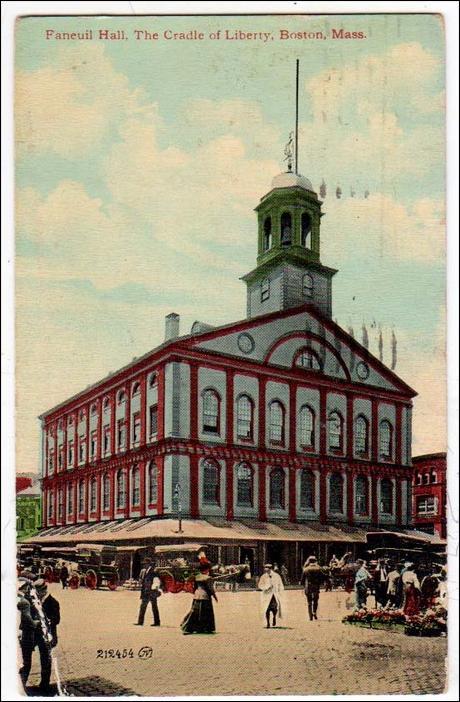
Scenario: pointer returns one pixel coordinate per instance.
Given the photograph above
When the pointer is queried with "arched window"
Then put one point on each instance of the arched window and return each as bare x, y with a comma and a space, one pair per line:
307, 427
211, 483
308, 359
244, 418
434, 477
267, 233
93, 495
307, 285
335, 431
286, 229
93, 409
81, 496
361, 436
121, 489
211, 412
305, 230
106, 492
81, 415
385, 439
361, 495
70, 420
136, 389
153, 483
307, 489
70, 498
106, 404
153, 380
276, 415
121, 397
245, 487
265, 290
277, 488
336, 493
136, 487
60, 425
386, 496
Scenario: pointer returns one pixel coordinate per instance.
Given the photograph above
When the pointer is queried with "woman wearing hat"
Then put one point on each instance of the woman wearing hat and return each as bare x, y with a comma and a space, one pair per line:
200, 619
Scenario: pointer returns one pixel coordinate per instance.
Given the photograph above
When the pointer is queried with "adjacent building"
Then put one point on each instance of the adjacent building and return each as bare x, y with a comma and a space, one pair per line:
274, 436
430, 494
28, 506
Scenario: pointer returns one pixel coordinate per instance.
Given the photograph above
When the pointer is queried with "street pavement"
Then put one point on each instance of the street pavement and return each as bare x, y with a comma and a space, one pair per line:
298, 657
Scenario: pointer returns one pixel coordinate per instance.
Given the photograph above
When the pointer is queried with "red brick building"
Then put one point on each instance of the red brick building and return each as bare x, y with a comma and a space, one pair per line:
275, 433
430, 494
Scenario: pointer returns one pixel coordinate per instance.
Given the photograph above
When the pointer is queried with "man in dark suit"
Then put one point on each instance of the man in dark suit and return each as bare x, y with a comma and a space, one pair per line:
381, 583
40, 616
150, 592
312, 577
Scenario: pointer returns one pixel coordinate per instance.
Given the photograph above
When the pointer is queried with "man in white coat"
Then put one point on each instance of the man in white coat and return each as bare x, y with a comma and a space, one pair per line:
272, 594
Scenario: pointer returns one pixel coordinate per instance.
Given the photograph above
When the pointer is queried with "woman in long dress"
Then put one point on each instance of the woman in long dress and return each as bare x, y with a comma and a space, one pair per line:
200, 619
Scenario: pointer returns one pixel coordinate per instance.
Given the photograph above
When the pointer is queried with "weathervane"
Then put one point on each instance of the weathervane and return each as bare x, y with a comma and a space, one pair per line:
288, 151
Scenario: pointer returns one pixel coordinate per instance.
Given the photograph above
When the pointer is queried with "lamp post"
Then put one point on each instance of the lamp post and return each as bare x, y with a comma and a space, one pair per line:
177, 495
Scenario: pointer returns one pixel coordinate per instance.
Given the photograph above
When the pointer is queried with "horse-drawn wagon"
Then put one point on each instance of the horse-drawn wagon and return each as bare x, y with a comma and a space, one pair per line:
94, 565
177, 564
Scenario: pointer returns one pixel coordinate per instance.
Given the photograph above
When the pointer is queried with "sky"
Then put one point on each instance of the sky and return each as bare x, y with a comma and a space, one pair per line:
139, 164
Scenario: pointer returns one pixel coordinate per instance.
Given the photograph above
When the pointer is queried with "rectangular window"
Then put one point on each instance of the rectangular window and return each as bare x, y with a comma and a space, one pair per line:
93, 447
60, 457
70, 454
51, 461
106, 441
82, 450
265, 290
427, 505
59, 504
70, 499
153, 420
136, 428
81, 498
121, 435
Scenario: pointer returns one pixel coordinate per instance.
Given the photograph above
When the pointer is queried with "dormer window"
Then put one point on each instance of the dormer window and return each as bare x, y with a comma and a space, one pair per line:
307, 285
308, 360
305, 230
286, 229
265, 290
267, 233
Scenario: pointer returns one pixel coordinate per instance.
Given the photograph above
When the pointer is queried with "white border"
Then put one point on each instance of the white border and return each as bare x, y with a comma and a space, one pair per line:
11, 10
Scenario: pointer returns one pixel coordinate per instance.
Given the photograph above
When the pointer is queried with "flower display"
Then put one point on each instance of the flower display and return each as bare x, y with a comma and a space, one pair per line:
432, 622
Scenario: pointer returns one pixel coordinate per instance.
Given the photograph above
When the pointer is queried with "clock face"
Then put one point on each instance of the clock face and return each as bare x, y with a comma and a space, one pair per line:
246, 343
362, 370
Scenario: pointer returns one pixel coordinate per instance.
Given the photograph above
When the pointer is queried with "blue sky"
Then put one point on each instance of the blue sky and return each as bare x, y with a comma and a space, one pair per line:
139, 165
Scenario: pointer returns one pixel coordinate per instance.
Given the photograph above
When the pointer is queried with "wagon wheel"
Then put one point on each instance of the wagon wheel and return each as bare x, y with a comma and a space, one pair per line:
74, 581
112, 582
48, 574
91, 579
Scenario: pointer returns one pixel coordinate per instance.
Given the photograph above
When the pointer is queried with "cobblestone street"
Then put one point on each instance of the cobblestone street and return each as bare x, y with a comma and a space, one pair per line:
298, 657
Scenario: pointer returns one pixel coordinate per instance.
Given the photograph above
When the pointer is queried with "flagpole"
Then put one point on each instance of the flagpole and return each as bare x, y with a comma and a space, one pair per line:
297, 116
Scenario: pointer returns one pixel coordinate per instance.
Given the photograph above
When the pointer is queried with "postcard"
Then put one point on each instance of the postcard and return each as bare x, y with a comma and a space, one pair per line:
230, 316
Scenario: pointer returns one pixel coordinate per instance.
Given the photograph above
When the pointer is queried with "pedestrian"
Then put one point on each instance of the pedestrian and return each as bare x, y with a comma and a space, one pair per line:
312, 577
362, 579
40, 616
200, 619
150, 592
393, 587
411, 589
64, 575
272, 594
284, 575
380, 578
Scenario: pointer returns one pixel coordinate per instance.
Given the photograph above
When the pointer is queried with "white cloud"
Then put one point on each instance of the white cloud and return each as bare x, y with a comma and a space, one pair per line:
68, 108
